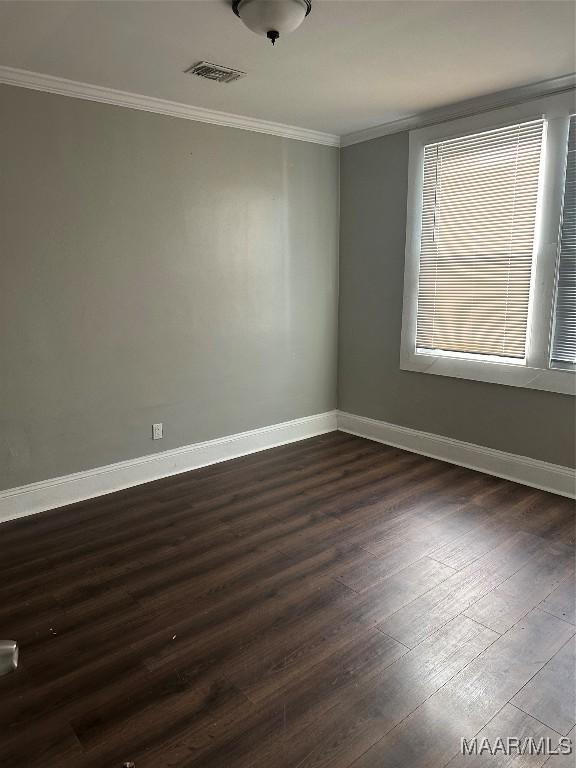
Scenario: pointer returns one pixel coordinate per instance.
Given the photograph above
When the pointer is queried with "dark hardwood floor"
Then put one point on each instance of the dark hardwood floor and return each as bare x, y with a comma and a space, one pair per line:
333, 602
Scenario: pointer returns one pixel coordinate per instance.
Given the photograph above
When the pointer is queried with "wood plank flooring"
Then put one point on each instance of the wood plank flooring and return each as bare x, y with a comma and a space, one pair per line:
329, 603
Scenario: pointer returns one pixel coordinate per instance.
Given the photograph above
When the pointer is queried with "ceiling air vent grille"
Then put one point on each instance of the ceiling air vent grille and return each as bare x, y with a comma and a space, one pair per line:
215, 72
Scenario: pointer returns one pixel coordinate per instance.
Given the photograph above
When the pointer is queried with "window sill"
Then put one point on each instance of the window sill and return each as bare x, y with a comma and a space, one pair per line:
512, 375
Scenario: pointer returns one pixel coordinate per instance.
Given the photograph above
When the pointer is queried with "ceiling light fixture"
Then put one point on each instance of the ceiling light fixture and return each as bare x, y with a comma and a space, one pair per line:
271, 18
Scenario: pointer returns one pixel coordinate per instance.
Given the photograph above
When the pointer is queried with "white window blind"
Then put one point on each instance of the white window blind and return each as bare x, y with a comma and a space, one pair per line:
564, 336
477, 239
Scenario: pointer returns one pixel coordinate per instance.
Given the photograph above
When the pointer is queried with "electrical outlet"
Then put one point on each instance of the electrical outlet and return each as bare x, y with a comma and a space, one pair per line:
157, 431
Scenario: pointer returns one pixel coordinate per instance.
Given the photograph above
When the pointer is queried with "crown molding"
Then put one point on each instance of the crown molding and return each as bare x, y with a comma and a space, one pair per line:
75, 89
464, 109
78, 90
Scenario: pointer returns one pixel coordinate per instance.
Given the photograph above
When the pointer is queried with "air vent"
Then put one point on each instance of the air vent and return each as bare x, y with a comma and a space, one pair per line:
215, 72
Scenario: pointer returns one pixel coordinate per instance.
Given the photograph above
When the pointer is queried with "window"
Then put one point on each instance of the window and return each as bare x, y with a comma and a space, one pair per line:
564, 338
490, 278
477, 238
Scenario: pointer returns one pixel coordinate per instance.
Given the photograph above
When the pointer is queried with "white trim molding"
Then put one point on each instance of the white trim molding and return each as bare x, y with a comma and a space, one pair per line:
69, 489
520, 469
37, 81
59, 491
64, 87
466, 108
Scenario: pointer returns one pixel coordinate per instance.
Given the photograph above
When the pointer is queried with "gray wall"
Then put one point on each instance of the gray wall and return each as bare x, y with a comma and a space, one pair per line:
156, 269
373, 219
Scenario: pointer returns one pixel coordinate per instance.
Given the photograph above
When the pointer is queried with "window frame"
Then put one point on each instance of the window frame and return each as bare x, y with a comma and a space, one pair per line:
536, 372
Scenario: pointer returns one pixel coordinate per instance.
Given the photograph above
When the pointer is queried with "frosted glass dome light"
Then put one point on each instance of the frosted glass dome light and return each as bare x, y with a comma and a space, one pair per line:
272, 18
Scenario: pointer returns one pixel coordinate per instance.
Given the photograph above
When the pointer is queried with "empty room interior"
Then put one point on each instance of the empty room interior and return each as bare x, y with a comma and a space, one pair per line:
287, 383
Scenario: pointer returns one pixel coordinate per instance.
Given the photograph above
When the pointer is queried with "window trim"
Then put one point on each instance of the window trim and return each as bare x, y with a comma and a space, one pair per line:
536, 373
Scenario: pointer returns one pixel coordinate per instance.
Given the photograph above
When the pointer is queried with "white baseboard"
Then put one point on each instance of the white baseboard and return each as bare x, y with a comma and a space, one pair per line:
59, 491
520, 469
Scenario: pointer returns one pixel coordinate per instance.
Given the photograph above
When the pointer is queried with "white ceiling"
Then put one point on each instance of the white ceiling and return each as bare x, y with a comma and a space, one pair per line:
353, 64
